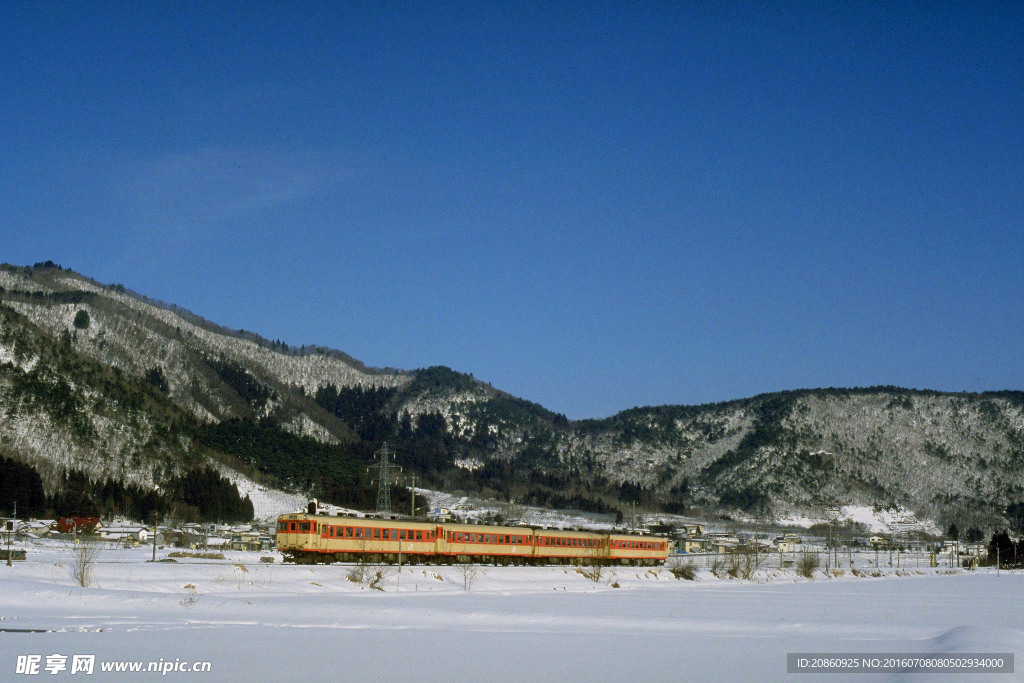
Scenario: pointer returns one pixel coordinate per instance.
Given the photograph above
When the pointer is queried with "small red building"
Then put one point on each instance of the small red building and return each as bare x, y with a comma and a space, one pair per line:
83, 525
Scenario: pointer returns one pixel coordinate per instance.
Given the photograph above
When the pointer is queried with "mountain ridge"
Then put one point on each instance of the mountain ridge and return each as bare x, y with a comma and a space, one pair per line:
98, 378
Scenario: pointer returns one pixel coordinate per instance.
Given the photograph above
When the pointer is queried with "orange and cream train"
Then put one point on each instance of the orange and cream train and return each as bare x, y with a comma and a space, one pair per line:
309, 538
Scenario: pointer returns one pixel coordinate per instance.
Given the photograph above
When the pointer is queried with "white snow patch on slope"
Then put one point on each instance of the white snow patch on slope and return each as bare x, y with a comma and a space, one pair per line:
883, 521
267, 503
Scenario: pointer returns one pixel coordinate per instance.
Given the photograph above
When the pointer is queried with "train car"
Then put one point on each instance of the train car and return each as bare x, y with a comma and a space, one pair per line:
303, 537
306, 538
479, 543
639, 550
553, 546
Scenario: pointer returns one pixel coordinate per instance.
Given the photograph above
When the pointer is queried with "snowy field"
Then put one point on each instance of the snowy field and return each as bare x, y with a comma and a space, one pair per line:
271, 622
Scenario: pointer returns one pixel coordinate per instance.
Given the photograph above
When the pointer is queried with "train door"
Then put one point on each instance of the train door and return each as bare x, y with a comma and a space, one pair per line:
440, 541
321, 536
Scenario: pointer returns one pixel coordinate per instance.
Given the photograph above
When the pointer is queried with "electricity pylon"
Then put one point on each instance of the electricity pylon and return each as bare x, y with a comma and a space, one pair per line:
384, 469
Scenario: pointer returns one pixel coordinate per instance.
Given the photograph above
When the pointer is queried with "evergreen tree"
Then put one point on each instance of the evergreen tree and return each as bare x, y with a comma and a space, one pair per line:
81, 319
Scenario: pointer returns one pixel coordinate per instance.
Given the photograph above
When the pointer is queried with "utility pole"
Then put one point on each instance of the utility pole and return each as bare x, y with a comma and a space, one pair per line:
154, 535
412, 506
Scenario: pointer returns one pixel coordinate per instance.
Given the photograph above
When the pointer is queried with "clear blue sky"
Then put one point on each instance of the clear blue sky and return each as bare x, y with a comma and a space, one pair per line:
590, 205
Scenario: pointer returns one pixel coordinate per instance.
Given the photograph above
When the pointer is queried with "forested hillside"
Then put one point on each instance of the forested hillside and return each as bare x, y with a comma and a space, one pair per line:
109, 397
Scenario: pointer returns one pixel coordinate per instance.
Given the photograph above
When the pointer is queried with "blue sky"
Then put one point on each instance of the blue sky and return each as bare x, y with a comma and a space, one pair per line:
590, 205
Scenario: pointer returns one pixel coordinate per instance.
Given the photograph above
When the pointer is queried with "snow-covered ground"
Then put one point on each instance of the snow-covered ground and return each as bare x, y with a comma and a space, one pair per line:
258, 622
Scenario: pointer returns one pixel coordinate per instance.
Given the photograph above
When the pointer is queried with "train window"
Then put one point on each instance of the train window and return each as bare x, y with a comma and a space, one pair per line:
348, 532
376, 534
292, 524
359, 532
303, 526
419, 535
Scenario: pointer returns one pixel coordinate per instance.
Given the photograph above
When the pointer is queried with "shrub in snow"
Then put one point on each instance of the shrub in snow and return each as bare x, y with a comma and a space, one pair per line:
680, 570
807, 564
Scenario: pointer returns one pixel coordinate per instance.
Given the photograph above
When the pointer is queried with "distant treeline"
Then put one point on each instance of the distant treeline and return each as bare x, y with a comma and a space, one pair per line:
201, 495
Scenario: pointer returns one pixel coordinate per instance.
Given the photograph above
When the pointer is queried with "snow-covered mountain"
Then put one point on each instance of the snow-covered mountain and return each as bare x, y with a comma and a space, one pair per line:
101, 380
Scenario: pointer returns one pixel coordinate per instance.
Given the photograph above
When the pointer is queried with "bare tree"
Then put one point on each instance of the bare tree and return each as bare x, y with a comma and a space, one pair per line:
469, 573
84, 557
594, 564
